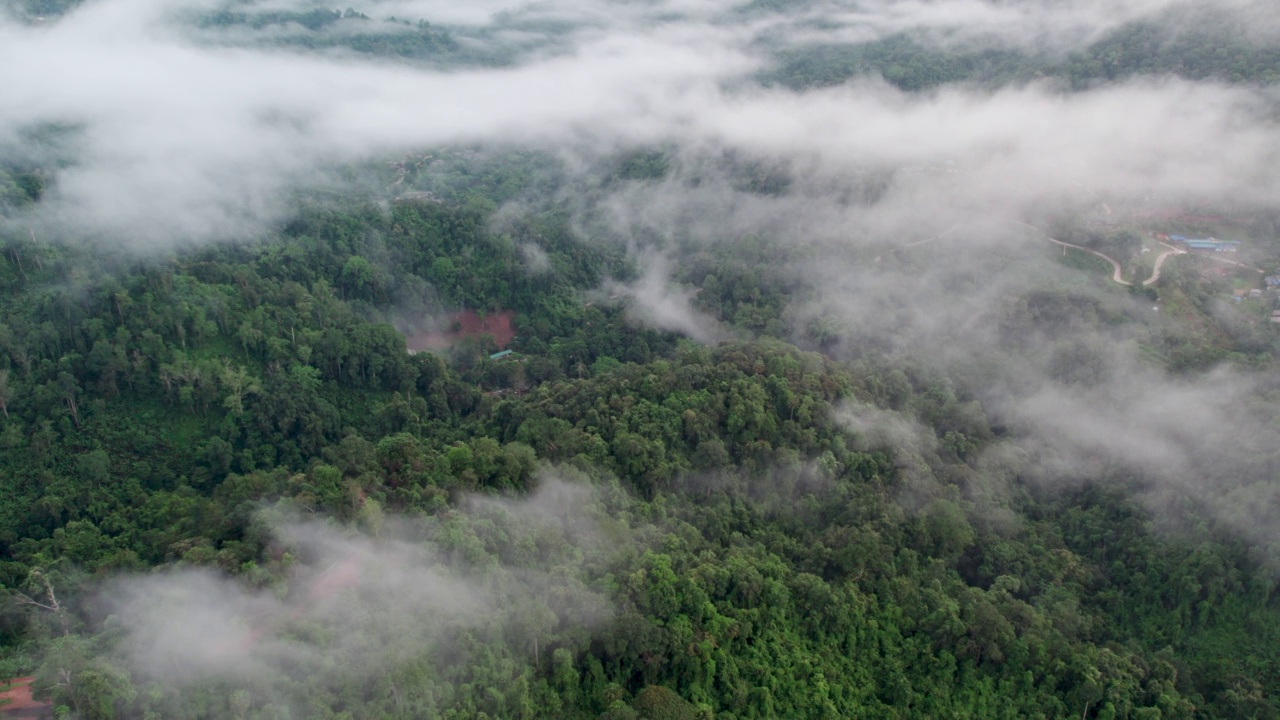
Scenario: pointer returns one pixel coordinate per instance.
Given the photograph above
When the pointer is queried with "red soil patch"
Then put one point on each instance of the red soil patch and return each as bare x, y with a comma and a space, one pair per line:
16, 702
468, 323
339, 576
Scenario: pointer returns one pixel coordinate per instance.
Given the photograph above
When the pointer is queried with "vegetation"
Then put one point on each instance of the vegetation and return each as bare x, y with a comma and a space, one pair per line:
772, 567
611, 522
1206, 50
324, 29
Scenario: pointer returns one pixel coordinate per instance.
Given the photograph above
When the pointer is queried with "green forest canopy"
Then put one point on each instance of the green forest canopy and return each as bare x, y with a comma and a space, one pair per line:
165, 412
647, 527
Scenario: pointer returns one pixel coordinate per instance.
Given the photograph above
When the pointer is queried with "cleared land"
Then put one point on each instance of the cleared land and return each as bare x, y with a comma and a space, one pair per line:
16, 702
468, 323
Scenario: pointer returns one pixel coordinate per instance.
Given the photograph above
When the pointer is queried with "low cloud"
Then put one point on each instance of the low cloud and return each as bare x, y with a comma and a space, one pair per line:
180, 140
656, 301
898, 210
354, 607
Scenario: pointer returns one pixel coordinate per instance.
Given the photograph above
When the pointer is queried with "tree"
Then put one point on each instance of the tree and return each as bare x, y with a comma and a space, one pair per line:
44, 597
238, 384
70, 390
359, 277
4, 392
658, 703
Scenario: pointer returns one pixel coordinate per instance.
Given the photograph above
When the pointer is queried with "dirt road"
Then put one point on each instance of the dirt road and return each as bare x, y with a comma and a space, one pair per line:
1155, 272
1116, 275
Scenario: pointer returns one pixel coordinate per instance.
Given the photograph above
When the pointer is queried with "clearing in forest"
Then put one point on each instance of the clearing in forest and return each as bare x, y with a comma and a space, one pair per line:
16, 702
468, 323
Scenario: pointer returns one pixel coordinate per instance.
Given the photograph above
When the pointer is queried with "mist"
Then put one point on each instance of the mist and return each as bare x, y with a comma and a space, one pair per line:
899, 210
340, 608
180, 140
901, 229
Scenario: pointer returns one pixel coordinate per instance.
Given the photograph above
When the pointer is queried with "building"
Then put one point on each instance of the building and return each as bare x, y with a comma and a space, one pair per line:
1206, 244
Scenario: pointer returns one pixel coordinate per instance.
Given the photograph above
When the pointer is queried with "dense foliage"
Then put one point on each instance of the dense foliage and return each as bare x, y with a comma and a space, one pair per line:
610, 521
323, 29
766, 560
1202, 51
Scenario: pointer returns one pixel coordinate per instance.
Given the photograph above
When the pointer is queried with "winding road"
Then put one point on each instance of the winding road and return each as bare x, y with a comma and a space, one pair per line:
926, 241
1237, 264
1117, 275
1155, 272
1115, 266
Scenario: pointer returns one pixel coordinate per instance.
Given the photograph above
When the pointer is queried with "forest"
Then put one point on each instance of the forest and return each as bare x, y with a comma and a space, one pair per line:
185, 414
735, 465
